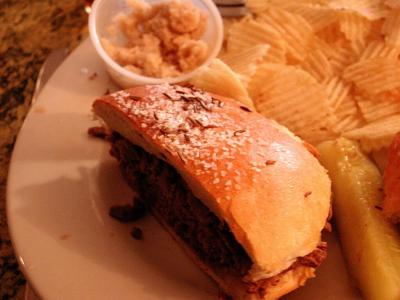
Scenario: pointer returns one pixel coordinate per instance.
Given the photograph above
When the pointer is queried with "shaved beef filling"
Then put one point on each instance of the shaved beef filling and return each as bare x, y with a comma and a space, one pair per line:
312, 260
164, 191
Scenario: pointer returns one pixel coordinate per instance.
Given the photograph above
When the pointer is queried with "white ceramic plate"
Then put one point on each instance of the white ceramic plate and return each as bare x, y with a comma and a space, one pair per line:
60, 187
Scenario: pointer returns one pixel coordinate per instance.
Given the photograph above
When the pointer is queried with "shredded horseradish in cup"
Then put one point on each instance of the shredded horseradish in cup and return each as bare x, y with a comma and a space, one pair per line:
162, 40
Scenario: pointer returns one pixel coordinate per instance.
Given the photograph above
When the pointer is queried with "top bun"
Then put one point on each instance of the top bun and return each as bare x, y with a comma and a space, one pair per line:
250, 171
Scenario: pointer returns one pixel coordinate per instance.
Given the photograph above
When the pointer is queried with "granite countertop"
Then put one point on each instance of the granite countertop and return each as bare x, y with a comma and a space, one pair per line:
29, 31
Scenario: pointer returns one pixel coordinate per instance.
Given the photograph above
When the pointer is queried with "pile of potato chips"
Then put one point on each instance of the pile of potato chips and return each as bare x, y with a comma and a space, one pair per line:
321, 68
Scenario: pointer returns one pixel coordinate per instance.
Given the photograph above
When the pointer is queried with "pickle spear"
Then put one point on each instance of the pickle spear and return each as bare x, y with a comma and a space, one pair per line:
371, 245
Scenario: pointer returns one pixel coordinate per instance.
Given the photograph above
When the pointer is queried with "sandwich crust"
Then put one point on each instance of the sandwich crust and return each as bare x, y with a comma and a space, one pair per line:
251, 172
266, 289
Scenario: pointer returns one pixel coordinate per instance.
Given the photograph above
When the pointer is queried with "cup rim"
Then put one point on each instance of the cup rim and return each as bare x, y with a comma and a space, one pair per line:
94, 36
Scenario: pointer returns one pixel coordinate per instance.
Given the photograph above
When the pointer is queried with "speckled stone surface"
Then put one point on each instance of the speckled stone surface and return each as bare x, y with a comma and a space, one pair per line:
29, 31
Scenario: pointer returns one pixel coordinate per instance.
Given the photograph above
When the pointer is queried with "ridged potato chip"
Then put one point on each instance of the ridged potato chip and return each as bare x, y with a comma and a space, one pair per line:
228, 22
346, 53
318, 65
275, 56
355, 28
341, 58
377, 135
246, 61
348, 115
332, 35
394, 4
209, 78
375, 34
389, 95
348, 107
348, 122
377, 49
318, 16
293, 98
249, 33
337, 90
370, 9
265, 71
326, 48
374, 75
391, 28
373, 110
257, 6
294, 29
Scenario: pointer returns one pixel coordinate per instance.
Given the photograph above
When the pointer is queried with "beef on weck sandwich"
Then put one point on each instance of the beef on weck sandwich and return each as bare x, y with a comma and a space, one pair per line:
243, 196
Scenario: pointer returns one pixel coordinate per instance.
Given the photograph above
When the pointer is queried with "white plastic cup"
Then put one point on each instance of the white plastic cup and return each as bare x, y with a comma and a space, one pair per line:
101, 17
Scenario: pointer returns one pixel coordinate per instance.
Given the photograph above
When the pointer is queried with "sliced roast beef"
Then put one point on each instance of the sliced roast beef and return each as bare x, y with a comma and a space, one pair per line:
164, 192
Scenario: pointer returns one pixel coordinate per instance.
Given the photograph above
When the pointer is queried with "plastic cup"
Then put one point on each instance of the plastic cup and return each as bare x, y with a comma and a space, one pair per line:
102, 16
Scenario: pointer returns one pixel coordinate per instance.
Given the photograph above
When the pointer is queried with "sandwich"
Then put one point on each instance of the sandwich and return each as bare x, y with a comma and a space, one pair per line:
244, 197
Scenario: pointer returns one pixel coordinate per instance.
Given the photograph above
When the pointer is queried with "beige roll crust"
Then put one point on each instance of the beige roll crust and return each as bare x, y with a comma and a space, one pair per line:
264, 183
268, 289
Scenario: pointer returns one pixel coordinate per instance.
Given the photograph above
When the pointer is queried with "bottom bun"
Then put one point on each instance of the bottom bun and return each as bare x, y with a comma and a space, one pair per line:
265, 289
